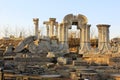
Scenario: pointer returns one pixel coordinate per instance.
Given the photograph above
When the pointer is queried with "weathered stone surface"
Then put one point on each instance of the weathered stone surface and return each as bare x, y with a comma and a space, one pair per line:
9, 49
55, 54
51, 55
103, 35
62, 60
52, 27
81, 22
50, 65
79, 62
36, 23
42, 47
26, 41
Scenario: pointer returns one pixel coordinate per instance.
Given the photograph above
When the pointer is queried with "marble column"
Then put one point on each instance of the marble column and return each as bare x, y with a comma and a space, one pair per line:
88, 36
85, 39
60, 32
56, 32
80, 38
36, 23
64, 36
103, 38
52, 24
47, 27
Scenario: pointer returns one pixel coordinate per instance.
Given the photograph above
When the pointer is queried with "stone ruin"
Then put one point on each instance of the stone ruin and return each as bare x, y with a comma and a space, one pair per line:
57, 36
50, 54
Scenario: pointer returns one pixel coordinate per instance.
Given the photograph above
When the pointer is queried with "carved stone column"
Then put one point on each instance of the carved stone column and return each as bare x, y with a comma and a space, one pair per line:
36, 23
50, 26
80, 38
60, 32
47, 27
64, 36
52, 21
85, 39
88, 37
103, 38
56, 32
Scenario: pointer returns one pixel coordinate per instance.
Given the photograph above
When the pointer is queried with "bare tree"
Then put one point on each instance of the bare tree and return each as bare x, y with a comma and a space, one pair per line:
16, 31
42, 30
30, 30
6, 31
92, 33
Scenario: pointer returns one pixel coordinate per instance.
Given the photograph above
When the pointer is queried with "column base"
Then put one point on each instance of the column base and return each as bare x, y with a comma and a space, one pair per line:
85, 48
104, 48
65, 47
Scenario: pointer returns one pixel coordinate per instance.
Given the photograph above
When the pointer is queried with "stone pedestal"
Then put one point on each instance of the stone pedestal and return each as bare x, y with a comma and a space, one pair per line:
36, 23
103, 38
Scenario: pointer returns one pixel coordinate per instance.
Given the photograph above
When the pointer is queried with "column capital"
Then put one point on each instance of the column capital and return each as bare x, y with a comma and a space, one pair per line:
52, 19
89, 25
103, 25
46, 23
36, 23
35, 20
56, 24
64, 24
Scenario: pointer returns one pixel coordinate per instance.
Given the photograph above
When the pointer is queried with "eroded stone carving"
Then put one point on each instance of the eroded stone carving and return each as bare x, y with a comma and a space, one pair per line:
60, 44
81, 22
103, 35
26, 41
36, 23
44, 45
9, 49
52, 27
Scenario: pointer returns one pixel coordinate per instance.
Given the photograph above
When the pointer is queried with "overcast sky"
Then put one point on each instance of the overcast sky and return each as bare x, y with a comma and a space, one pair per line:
18, 14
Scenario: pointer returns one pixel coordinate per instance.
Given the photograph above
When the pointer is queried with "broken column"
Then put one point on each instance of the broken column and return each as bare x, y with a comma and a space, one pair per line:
64, 36
103, 38
47, 27
52, 21
88, 37
56, 27
85, 39
36, 23
50, 27
60, 32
